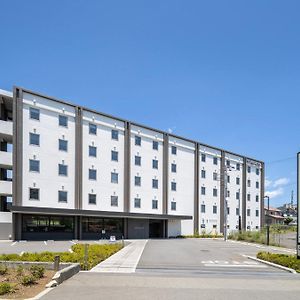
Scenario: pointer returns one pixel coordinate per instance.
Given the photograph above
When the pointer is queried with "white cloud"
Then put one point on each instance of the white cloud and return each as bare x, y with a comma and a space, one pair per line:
268, 183
275, 193
280, 182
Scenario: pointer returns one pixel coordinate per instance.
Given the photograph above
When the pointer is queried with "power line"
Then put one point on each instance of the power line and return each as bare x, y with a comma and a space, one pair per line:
281, 160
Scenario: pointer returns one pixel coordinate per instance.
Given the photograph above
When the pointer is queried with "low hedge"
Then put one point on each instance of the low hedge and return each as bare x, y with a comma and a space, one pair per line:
96, 254
285, 260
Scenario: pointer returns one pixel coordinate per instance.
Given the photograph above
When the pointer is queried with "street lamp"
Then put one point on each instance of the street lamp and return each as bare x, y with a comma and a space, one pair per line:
268, 220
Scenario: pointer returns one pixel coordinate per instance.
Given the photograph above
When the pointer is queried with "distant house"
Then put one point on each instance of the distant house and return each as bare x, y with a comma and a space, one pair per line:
274, 215
289, 210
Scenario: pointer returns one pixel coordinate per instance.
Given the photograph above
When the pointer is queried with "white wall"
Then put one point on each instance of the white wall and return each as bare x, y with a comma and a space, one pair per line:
210, 220
145, 171
233, 188
103, 187
48, 180
253, 222
184, 178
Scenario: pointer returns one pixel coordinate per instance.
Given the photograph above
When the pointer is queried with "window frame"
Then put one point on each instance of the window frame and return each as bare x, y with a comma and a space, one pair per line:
63, 117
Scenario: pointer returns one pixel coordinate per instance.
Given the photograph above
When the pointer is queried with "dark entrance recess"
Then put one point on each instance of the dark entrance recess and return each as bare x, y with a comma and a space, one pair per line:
156, 228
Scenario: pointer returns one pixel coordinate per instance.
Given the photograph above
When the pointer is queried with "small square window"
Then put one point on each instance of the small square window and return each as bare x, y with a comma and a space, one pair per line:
238, 166
114, 200
34, 139
203, 174
203, 208
215, 176
257, 198
92, 198
34, 194
249, 183
173, 205
34, 113
237, 211
228, 163
174, 150
63, 121
62, 170
257, 171
173, 168
237, 196
137, 160
257, 184
203, 157
215, 209
215, 192
137, 202
248, 197
173, 186
203, 190
228, 211
92, 151
154, 204
257, 213
228, 178
62, 145
155, 145
248, 212
62, 196
114, 155
115, 134
154, 183
137, 180
138, 140
92, 129
92, 174
237, 180
249, 169
34, 165
114, 177
215, 161
154, 163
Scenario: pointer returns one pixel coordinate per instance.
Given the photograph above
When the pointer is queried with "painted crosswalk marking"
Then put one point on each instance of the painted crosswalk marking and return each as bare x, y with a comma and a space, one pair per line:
233, 263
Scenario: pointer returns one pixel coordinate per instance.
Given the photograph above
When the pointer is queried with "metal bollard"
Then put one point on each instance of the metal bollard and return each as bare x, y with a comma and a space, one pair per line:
56, 263
86, 256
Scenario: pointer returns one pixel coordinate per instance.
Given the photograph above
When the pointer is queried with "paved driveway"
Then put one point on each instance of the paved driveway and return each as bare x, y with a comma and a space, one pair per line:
187, 269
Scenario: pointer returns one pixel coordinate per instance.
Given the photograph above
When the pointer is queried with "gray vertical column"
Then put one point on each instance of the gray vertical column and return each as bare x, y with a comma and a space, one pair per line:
244, 194
78, 158
222, 192
127, 156
165, 173
17, 145
262, 195
196, 189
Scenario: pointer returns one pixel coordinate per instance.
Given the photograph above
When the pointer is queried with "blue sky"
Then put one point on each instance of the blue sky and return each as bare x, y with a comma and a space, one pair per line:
226, 73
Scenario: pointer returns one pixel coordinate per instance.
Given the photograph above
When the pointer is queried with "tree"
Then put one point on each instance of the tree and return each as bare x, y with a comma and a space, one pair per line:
288, 220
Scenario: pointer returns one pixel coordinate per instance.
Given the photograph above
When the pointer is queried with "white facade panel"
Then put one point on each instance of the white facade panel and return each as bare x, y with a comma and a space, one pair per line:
103, 163
5, 188
47, 179
253, 197
184, 177
209, 179
6, 160
146, 192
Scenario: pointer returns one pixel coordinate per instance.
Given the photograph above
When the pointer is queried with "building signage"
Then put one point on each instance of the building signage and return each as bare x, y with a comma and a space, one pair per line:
298, 205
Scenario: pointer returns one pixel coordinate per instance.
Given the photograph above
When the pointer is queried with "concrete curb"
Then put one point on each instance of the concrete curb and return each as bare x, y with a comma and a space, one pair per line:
66, 273
272, 264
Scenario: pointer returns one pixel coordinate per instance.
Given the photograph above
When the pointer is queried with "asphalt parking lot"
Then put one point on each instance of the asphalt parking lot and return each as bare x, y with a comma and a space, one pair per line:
187, 269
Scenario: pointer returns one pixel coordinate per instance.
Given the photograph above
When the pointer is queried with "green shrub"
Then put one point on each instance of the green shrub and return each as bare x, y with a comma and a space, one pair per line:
96, 254
285, 260
28, 280
259, 237
20, 270
3, 269
6, 288
37, 271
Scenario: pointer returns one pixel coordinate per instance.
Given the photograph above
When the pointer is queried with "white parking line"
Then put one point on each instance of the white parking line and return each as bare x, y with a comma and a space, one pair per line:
235, 266
45, 243
13, 243
72, 242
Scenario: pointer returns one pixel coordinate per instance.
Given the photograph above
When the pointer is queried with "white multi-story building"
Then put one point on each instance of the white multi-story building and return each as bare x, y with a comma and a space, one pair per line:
82, 174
